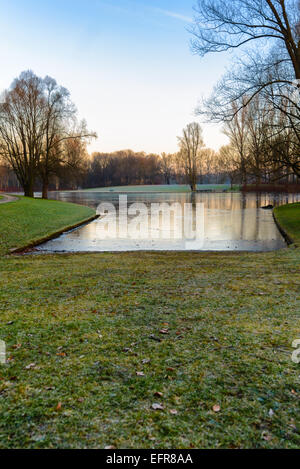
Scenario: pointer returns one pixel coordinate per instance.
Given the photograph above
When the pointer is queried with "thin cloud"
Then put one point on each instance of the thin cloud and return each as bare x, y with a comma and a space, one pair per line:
177, 16
169, 13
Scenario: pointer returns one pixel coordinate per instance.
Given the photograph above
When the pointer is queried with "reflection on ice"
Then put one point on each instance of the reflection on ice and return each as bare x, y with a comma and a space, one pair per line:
230, 222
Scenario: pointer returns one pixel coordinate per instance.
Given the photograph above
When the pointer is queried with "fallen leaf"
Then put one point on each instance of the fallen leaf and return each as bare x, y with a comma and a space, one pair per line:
216, 408
157, 407
265, 436
18, 346
61, 354
31, 365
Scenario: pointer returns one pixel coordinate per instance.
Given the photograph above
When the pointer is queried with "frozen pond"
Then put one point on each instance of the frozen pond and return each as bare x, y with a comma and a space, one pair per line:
217, 222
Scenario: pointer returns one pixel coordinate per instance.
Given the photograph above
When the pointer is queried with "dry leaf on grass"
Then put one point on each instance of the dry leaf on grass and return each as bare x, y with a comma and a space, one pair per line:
216, 408
32, 365
157, 407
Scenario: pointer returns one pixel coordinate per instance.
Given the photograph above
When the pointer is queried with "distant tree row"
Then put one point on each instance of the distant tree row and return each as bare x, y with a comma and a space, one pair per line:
193, 164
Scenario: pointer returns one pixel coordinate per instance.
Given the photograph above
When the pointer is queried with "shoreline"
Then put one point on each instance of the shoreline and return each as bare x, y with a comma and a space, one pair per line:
285, 235
52, 236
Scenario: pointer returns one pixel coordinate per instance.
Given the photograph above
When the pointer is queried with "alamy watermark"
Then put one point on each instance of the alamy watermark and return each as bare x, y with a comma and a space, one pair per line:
292, 92
2, 352
296, 353
155, 221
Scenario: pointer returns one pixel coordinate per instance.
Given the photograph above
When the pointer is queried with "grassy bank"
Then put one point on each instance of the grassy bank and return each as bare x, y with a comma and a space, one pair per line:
29, 220
94, 341
288, 216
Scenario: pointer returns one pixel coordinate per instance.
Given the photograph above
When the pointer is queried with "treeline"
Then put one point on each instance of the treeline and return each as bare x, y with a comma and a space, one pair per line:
126, 167
123, 168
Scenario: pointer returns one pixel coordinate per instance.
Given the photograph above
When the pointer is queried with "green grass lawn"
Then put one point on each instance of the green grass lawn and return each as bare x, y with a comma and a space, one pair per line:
163, 188
289, 217
94, 341
28, 220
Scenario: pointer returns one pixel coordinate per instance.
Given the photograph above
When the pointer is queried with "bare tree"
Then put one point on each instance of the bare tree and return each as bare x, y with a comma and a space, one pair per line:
166, 163
60, 127
220, 26
22, 128
237, 131
266, 76
190, 145
36, 119
229, 163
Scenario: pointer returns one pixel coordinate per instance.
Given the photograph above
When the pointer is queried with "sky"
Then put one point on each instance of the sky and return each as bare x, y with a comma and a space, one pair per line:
127, 64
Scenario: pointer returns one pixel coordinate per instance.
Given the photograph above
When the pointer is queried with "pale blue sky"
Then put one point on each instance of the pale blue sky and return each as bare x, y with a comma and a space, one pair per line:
127, 64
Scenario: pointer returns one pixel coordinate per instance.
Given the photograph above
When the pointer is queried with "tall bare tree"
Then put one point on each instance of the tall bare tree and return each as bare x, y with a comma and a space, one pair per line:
36, 119
166, 163
190, 145
22, 128
269, 71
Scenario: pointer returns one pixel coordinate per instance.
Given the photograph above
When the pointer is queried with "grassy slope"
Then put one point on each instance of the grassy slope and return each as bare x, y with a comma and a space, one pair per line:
31, 219
289, 218
87, 322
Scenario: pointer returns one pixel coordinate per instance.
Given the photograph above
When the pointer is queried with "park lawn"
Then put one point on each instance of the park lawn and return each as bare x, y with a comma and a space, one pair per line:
288, 217
29, 220
204, 330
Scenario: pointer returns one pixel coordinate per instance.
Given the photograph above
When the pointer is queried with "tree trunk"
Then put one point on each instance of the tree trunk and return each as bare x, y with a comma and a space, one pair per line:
194, 187
45, 190
28, 189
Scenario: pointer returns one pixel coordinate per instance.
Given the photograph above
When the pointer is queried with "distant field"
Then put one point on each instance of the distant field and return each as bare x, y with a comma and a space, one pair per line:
162, 188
